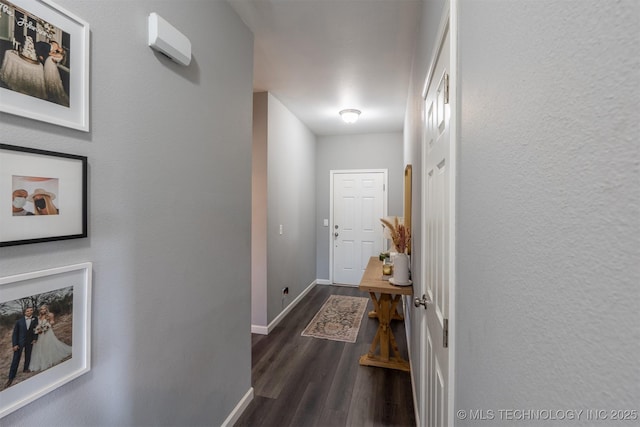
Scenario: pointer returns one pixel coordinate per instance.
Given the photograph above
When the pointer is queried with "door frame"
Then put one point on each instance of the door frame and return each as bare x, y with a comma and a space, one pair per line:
385, 204
448, 23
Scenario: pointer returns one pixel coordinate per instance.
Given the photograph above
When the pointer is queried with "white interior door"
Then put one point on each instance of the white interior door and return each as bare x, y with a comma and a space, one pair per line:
359, 201
437, 223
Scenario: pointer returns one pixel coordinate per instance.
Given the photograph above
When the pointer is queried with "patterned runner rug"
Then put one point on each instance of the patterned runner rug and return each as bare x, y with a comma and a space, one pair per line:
339, 319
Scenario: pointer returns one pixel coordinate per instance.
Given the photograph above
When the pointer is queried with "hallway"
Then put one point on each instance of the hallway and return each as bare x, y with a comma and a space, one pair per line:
301, 381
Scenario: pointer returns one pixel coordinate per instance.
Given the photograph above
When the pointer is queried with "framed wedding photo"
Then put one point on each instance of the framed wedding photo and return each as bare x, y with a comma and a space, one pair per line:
45, 318
43, 196
44, 63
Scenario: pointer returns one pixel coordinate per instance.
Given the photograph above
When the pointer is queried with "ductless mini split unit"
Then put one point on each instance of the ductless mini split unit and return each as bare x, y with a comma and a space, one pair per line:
166, 39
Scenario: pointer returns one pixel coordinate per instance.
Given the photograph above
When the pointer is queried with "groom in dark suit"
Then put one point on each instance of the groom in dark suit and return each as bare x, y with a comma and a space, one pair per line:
23, 338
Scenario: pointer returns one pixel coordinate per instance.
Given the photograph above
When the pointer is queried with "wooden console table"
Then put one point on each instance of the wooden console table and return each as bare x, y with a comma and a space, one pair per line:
385, 310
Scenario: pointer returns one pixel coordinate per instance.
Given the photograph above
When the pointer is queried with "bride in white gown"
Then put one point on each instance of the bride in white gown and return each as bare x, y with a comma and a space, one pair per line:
48, 350
52, 81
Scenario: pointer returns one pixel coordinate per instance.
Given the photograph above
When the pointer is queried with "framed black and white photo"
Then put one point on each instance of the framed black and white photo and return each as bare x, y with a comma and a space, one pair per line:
44, 63
43, 196
45, 324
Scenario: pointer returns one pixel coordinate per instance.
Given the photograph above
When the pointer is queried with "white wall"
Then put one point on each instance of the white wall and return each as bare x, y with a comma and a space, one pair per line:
428, 29
548, 203
548, 210
291, 255
169, 221
364, 151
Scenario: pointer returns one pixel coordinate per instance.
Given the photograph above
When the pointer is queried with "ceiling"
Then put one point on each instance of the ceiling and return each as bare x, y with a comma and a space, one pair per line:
321, 56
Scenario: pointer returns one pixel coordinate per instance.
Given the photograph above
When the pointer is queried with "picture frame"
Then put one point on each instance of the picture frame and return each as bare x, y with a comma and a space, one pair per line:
48, 86
66, 294
43, 196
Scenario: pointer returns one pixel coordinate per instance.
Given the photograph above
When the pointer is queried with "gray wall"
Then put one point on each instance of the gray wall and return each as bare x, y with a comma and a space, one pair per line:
548, 213
169, 221
366, 151
290, 201
259, 211
548, 203
428, 33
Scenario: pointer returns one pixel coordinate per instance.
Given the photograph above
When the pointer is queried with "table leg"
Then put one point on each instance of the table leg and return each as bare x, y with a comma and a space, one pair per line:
373, 314
394, 309
374, 344
384, 338
383, 318
394, 347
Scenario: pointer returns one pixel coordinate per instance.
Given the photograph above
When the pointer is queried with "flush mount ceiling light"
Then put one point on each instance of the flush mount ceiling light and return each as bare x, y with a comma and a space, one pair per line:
350, 115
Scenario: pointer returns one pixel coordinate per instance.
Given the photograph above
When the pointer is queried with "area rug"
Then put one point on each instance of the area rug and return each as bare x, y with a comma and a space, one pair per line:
338, 320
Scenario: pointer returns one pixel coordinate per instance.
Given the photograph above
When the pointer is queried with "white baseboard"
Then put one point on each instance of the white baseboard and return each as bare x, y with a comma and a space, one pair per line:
416, 409
323, 282
239, 409
406, 302
262, 330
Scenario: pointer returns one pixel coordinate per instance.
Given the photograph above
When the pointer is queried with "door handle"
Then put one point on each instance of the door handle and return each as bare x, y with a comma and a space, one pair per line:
422, 301
335, 234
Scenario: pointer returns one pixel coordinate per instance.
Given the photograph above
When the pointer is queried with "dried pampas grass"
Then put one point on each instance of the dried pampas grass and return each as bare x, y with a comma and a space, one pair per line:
400, 235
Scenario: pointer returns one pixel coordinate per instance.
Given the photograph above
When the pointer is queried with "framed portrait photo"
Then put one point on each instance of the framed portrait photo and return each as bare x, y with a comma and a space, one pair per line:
43, 196
44, 63
45, 332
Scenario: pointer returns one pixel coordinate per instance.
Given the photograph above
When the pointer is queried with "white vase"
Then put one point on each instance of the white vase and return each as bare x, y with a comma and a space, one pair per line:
401, 269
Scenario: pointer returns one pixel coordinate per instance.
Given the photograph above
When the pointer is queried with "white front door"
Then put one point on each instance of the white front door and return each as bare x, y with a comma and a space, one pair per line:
437, 226
359, 201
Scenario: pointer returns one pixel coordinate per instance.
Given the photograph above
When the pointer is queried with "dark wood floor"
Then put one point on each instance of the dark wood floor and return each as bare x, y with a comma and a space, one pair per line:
301, 381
